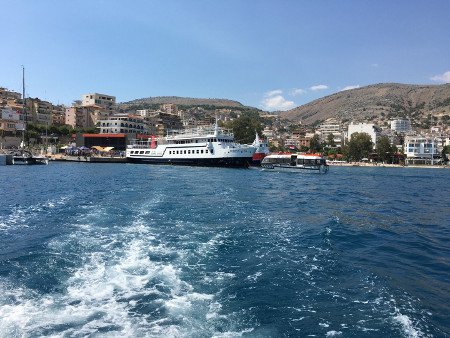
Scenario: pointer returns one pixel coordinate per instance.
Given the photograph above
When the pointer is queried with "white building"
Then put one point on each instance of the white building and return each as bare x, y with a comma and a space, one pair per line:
123, 124
106, 101
369, 128
401, 125
422, 150
333, 127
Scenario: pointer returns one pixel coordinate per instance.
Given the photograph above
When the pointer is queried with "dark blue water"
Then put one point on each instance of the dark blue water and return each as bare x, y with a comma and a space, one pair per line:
149, 251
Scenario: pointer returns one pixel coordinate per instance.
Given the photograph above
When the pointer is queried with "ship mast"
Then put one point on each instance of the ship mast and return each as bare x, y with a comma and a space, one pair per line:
24, 112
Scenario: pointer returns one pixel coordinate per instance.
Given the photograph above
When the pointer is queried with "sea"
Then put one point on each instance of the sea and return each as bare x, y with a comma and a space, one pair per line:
132, 250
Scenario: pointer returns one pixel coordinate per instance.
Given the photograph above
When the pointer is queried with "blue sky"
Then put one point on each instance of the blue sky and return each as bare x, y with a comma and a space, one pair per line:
273, 55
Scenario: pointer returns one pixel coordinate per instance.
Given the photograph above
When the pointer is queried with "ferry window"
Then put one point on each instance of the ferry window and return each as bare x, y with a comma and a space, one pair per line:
141, 152
147, 152
189, 151
185, 151
198, 151
201, 151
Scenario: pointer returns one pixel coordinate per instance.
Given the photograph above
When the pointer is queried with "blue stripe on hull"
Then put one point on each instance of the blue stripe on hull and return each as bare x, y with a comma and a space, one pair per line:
236, 162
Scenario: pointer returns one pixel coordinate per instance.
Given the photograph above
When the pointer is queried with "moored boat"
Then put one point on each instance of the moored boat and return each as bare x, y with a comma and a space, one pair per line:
26, 157
262, 150
295, 163
201, 146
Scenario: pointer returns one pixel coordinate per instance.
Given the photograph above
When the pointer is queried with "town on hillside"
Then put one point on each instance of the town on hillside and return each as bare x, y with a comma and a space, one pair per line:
96, 120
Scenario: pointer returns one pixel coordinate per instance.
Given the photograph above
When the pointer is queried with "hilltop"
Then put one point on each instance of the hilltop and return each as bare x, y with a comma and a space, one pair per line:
180, 101
377, 102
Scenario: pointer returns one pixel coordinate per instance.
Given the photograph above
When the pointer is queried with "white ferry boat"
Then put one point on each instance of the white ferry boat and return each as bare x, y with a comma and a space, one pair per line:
295, 163
201, 146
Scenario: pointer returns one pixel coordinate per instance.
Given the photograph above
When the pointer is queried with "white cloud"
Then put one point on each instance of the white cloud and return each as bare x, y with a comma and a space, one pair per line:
442, 77
375, 65
274, 92
349, 87
274, 102
298, 91
318, 87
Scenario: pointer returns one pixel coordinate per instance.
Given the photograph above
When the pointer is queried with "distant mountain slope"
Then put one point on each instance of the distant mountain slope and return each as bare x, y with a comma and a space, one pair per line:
370, 102
183, 101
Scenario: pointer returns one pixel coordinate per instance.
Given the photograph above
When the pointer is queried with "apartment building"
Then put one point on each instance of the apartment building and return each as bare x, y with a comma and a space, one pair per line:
85, 117
40, 112
422, 150
369, 128
11, 121
123, 124
101, 100
331, 126
401, 125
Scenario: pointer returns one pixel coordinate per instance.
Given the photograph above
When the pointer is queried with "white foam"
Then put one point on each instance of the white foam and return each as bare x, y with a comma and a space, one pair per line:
232, 333
333, 333
253, 278
408, 326
116, 273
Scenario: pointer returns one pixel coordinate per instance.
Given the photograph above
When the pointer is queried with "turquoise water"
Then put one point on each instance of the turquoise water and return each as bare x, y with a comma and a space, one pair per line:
148, 251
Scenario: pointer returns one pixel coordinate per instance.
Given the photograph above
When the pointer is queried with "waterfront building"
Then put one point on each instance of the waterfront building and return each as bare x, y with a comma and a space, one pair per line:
422, 150
11, 121
333, 127
40, 112
369, 128
58, 115
123, 124
70, 116
401, 125
85, 117
117, 141
100, 100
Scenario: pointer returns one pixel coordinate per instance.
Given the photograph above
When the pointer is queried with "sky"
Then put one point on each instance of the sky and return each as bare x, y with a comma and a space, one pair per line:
269, 54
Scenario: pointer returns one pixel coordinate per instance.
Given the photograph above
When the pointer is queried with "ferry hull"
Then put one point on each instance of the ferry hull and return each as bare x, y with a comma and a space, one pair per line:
231, 162
257, 159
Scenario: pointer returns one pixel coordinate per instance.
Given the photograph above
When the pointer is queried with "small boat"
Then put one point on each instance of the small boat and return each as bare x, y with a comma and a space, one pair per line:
295, 163
26, 157
262, 150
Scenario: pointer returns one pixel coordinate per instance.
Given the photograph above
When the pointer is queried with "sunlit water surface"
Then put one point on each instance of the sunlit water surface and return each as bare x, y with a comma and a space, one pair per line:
150, 251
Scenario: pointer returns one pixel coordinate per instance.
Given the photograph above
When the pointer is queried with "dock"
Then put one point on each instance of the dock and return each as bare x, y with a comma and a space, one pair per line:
89, 159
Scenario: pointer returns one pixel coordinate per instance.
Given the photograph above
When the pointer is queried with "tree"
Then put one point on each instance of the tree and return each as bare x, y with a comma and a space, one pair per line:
314, 144
359, 146
330, 141
384, 149
244, 127
445, 153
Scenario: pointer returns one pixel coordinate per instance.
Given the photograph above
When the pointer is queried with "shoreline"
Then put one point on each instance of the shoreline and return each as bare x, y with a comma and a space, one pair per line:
374, 165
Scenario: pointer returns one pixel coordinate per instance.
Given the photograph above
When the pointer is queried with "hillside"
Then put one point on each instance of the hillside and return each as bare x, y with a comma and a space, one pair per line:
180, 101
377, 102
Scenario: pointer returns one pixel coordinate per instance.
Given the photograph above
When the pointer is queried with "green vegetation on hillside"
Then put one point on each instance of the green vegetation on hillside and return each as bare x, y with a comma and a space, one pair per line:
245, 127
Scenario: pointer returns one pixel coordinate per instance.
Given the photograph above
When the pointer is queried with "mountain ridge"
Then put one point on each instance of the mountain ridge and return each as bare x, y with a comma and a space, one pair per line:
372, 101
184, 101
